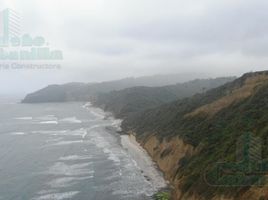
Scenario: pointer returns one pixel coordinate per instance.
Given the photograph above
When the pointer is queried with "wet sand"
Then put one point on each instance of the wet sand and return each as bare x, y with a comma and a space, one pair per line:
143, 161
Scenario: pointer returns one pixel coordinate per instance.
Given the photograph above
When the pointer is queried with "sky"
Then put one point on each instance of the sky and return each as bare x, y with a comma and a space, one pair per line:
112, 39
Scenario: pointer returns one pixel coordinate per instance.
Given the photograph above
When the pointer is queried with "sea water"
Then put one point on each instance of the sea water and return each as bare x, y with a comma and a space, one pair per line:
62, 151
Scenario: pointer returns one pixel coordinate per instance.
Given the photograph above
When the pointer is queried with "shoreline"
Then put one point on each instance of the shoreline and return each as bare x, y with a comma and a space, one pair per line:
145, 162
148, 167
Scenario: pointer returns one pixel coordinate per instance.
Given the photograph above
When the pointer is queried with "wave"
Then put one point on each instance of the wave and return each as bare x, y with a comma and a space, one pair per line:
68, 142
57, 196
61, 168
47, 118
87, 105
71, 120
18, 133
49, 122
74, 157
66, 181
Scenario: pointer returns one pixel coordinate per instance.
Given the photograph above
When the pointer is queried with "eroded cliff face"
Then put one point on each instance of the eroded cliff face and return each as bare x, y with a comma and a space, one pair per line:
207, 129
255, 193
168, 153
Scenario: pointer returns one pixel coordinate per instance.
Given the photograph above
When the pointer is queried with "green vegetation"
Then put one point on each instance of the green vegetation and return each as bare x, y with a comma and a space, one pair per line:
126, 102
216, 136
211, 121
162, 196
89, 92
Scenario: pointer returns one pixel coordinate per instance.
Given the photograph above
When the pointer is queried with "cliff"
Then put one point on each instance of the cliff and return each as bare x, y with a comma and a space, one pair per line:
194, 139
208, 145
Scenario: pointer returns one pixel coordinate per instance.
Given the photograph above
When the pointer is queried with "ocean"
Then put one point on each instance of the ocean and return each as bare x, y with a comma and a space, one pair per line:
62, 151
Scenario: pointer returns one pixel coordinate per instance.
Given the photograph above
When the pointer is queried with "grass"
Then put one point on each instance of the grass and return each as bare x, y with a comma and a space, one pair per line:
162, 196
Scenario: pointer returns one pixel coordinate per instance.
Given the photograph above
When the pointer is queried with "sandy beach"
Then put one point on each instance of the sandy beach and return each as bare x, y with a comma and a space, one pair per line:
143, 161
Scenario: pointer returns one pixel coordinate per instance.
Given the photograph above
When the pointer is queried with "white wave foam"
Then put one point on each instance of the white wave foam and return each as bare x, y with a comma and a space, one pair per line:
18, 133
49, 122
128, 179
112, 156
62, 132
91, 128
84, 134
54, 140
68, 142
66, 181
71, 120
107, 146
61, 168
57, 196
78, 132
47, 118
87, 105
42, 192
74, 157
117, 124
98, 113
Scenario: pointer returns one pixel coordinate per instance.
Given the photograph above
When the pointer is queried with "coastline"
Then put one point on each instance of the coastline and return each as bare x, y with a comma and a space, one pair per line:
140, 156
148, 167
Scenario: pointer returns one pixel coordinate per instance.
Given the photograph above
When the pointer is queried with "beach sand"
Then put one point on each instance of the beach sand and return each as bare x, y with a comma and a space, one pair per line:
144, 162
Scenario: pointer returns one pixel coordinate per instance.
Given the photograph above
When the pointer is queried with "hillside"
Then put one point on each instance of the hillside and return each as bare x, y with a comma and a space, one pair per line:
85, 92
191, 138
208, 145
57, 93
131, 100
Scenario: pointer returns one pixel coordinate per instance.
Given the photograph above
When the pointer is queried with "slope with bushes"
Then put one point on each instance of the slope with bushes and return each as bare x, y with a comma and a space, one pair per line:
187, 138
86, 92
131, 100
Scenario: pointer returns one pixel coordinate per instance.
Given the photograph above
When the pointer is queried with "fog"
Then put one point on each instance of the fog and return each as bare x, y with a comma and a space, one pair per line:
112, 39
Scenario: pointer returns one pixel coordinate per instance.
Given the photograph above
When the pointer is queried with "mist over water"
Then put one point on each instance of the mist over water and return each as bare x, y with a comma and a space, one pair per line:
67, 151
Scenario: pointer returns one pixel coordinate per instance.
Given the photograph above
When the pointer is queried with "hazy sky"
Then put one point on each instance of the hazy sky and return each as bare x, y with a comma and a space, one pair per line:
110, 39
